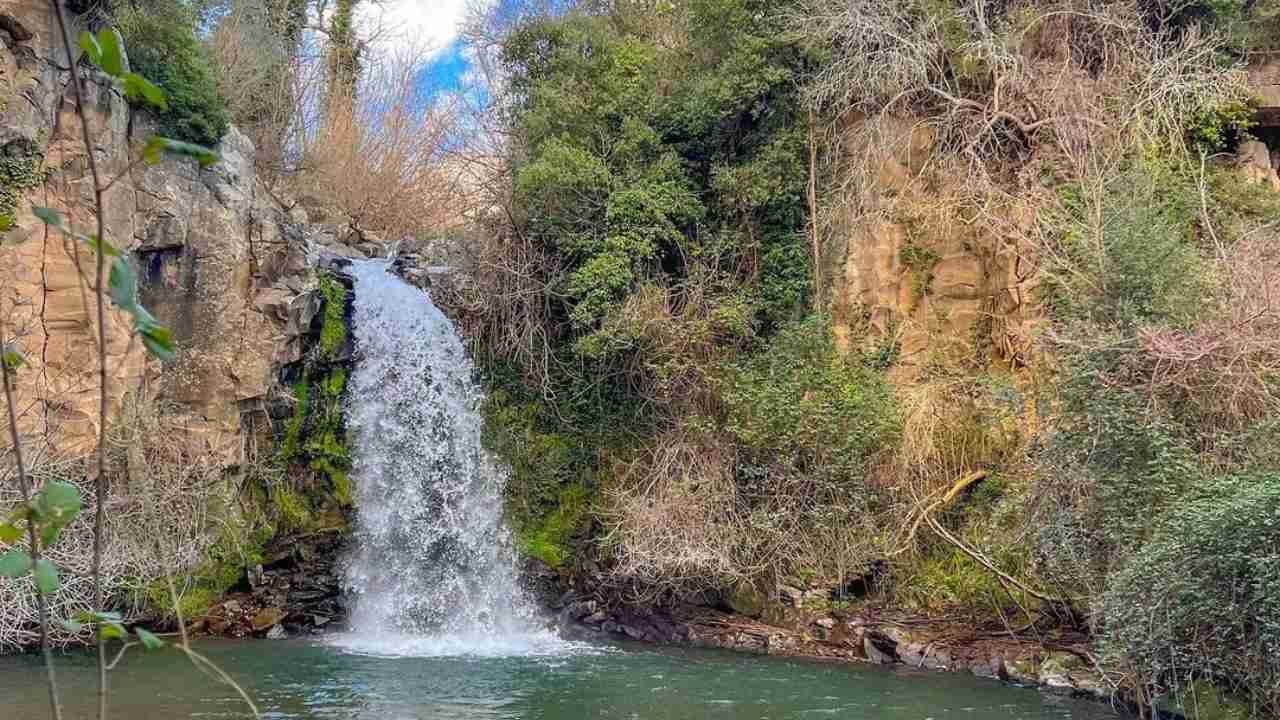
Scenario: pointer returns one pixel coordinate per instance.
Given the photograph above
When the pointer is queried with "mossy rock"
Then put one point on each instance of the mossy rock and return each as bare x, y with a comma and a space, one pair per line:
746, 599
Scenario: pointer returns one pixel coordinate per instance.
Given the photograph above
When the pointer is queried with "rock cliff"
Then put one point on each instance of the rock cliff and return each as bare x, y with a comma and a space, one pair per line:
220, 261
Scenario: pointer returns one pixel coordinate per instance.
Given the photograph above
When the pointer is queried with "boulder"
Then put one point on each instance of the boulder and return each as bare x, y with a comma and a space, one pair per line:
266, 618
746, 599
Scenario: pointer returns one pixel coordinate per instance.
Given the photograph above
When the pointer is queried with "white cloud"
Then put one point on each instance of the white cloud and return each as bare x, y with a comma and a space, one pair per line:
433, 23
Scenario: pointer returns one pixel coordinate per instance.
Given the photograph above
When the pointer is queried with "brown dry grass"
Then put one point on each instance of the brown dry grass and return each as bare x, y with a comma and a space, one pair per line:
379, 160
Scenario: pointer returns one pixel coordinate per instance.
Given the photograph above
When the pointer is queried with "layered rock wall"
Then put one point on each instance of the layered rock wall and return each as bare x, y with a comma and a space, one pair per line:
219, 261
917, 268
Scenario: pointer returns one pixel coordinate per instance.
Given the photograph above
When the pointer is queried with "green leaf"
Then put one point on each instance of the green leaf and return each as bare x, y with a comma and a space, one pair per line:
6, 222
62, 500
49, 534
106, 247
12, 357
153, 151
71, 626
111, 630
48, 215
158, 341
14, 563
137, 87
46, 577
112, 57
158, 145
149, 641
123, 284
10, 533
91, 48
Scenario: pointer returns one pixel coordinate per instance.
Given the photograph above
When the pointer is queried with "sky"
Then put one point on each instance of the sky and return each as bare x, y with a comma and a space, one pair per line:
435, 23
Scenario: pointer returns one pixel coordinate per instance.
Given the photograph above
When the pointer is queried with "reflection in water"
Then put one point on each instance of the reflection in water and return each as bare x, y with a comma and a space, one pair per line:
295, 679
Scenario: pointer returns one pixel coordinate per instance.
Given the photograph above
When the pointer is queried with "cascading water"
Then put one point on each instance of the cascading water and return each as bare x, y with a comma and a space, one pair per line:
432, 570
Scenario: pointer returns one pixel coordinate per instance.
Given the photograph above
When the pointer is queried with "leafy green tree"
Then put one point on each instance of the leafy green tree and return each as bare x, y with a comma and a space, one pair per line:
643, 161
163, 48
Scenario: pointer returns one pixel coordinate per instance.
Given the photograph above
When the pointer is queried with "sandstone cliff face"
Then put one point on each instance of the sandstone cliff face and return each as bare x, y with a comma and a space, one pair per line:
219, 261
942, 286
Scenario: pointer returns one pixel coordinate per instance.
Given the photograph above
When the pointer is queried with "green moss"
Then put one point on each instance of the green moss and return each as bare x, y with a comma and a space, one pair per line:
193, 602
238, 546
548, 540
921, 261
290, 507
947, 579
291, 445
315, 435
18, 174
333, 327
326, 443
343, 492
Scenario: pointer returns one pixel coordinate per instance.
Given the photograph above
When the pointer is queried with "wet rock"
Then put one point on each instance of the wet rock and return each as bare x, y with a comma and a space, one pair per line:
791, 596
277, 633
746, 600
1023, 671
266, 618
875, 652
564, 600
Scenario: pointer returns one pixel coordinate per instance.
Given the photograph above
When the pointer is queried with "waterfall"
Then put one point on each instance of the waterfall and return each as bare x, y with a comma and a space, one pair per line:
432, 570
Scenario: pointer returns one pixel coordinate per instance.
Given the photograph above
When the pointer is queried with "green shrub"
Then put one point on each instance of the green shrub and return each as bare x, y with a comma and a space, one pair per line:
800, 400
164, 49
1219, 129
1141, 262
1201, 601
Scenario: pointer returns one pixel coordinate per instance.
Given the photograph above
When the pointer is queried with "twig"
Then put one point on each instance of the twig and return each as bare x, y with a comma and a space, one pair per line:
988, 564
199, 661
25, 488
99, 518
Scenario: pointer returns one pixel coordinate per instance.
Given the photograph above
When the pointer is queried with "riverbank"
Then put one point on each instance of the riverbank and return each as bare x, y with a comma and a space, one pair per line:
298, 593
1056, 661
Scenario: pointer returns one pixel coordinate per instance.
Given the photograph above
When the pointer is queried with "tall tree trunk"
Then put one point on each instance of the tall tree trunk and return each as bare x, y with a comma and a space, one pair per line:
344, 56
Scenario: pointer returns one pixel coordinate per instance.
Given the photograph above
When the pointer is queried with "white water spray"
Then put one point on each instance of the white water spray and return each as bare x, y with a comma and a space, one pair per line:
432, 571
